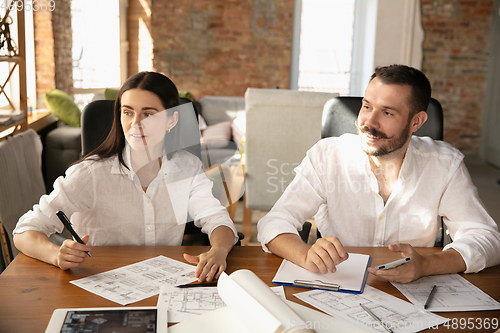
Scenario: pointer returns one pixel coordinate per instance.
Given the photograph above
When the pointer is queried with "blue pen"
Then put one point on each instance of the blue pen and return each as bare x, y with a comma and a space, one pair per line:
64, 219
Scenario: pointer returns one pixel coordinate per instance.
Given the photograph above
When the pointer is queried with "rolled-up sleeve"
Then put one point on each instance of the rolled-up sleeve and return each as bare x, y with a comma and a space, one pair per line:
71, 193
475, 234
206, 210
300, 201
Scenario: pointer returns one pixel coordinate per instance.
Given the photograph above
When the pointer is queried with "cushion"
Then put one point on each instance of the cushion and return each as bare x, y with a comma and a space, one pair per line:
202, 123
63, 107
218, 135
186, 95
238, 127
110, 93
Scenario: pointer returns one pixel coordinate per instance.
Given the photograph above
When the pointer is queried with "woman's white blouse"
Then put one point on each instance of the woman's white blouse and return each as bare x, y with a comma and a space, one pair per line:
105, 200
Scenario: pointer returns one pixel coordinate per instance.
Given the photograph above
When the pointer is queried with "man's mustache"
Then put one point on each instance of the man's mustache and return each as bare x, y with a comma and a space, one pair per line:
372, 131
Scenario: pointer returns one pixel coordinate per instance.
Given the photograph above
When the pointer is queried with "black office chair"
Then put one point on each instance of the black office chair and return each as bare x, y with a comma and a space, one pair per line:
339, 115
96, 122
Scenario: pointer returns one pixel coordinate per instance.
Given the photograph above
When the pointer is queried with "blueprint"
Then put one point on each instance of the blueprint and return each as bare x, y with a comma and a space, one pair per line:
138, 281
454, 293
396, 314
184, 303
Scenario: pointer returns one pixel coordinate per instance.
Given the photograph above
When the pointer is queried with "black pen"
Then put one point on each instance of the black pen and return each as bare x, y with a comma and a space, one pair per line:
64, 219
433, 291
194, 285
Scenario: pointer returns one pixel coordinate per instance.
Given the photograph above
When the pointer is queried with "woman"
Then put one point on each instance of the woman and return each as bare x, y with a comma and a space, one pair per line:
137, 188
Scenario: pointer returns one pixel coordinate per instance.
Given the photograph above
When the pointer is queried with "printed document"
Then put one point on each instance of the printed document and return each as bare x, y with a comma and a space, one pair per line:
454, 293
396, 314
138, 281
185, 303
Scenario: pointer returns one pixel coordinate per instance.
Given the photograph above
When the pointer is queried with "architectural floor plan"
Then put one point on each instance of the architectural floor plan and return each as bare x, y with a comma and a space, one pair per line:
188, 302
398, 315
138, 281
454, 293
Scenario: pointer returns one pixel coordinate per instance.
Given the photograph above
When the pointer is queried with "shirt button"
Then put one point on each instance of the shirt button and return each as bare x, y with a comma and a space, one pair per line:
380, 218
150, 227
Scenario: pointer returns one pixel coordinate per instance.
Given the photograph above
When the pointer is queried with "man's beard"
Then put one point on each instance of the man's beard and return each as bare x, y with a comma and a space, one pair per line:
393, 144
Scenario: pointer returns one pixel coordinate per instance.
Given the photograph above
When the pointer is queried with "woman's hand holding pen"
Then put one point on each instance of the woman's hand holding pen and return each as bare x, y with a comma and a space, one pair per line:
71, 253
210, 264
325, 254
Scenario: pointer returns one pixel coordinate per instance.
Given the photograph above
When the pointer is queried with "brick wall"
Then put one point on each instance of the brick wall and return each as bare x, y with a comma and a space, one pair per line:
53, 61
456, 59
139, 36
44, 54
218, 47
61, 26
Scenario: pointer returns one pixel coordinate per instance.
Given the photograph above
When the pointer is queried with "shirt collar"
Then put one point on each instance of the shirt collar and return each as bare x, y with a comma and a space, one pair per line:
167, 166
404, 173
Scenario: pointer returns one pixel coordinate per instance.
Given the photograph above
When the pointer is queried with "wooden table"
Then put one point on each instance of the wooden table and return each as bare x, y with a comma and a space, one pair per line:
30, 290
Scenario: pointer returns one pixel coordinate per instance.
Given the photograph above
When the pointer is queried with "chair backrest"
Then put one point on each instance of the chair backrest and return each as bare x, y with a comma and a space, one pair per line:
96, 122
340, 113
21, 179
281, 125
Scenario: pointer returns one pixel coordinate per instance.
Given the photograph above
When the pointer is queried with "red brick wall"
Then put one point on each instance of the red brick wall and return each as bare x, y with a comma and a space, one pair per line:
53, 39
137, 11
63, 37
456, 59
44, 54
220, 47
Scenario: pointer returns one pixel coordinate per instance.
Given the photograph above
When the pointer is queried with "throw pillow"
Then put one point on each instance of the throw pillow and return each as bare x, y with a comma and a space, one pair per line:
63, 107
186, 94
218, 135
110, 94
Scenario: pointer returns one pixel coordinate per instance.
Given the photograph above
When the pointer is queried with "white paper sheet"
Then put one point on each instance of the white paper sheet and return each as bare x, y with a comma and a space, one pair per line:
224, 321
138, 281
349, 275
395, 313
185, 303
454, 293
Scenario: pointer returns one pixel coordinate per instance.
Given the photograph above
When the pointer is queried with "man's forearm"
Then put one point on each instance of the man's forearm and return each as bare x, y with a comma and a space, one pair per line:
445, 262
290, 247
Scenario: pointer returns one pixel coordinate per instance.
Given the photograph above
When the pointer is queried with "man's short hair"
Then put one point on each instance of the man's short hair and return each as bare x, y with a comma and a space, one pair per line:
401, 74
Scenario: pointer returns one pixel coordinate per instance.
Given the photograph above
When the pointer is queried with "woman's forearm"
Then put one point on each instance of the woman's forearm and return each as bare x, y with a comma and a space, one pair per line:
37, 245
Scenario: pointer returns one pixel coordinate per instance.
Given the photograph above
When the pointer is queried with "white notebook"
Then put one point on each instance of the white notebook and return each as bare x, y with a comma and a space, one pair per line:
349, 277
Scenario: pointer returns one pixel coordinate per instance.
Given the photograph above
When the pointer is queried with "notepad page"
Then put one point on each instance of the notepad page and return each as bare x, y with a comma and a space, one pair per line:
350, 274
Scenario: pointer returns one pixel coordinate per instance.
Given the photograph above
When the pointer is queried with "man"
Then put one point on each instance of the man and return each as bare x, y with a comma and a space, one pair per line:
385, 187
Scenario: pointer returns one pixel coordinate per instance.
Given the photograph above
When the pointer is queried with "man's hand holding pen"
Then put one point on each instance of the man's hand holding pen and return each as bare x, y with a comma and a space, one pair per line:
71, 253
408, 272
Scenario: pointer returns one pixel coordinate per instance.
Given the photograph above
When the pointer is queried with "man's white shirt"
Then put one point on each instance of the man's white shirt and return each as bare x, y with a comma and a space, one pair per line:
335, 177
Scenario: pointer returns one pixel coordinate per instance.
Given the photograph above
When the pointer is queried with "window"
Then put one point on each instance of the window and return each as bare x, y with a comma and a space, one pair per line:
96, 47
326, 40
333, 45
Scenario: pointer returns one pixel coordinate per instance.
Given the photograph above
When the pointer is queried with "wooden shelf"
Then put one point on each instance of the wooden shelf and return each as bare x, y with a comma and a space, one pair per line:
11, 59
37, 121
